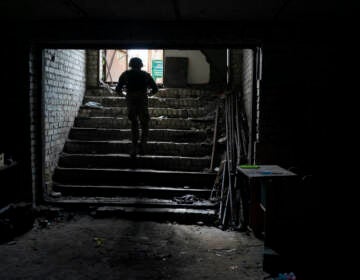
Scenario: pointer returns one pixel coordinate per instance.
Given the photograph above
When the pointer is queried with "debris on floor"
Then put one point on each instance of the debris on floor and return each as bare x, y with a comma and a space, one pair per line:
111, 249
186, 199
93, 104
55, 194
99, 241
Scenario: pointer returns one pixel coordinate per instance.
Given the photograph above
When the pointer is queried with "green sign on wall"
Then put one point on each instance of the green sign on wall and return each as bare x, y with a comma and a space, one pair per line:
157, 68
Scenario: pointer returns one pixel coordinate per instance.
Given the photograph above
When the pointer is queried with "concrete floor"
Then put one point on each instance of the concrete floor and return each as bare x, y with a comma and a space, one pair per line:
111, 248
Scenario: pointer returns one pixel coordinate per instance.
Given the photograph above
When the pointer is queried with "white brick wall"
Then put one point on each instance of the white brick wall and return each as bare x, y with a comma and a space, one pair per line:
64, 85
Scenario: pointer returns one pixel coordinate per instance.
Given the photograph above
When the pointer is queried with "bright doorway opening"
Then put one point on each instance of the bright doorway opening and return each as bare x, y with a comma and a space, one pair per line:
116, 61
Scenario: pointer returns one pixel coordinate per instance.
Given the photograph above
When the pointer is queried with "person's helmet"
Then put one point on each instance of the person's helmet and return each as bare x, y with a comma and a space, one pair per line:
135, 62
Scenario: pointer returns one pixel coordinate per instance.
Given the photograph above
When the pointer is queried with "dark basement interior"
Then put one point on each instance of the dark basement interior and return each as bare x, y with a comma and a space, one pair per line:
238, 176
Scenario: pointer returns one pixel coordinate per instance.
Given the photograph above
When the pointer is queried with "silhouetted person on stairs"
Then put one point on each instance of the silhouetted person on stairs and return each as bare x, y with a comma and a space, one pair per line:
137, 84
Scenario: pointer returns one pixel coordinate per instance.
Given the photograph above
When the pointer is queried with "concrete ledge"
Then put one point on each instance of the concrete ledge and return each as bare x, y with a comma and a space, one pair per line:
143, 162
157, 123
155, 102
104, 134
133, 177
154, 112
130, 191
124, 147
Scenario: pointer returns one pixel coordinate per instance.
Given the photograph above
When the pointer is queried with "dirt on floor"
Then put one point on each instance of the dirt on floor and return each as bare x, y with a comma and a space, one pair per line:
83, 247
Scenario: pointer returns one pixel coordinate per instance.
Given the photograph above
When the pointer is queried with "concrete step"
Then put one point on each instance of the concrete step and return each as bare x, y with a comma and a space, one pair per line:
142, 202
133, 177
100, 91
178, 215
130, 191
163, 92
182, 93
111, 207
143, 161
78, 133
95, 169
124, 147
154, 112
154, 102
156, 123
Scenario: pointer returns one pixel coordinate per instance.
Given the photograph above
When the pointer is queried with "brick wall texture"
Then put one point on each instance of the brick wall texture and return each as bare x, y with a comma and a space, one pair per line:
64, 85
34, 110
242, 81
92, 69
242, 61
248, 81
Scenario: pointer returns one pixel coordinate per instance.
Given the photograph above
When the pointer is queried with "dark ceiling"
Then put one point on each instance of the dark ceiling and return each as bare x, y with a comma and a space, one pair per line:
170, 10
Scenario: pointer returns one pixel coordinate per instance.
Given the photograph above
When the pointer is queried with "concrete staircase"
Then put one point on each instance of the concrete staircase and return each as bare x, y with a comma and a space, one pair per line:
95, 168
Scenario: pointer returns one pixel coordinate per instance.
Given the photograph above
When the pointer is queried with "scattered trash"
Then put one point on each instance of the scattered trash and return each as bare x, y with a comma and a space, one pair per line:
43, 223
107, 87
49, 213
163, 257
200, 223
221, 140
222, 252
13, 242
186, 199
55, 194
93, 104
99, 241
144, 238
234, 267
